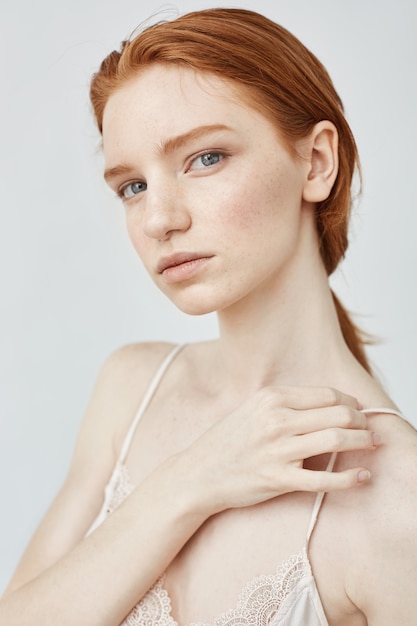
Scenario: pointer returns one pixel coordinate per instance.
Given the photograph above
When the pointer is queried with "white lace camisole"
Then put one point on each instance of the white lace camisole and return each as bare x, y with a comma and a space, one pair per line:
289, 597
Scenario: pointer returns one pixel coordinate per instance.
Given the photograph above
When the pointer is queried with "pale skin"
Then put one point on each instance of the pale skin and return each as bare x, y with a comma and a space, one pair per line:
219, 457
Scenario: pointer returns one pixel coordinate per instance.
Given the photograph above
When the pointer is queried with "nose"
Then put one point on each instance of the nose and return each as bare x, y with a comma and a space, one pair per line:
165, 212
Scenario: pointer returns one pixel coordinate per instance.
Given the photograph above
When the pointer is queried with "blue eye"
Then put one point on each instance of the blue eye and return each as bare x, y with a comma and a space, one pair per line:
207, 160
132, 189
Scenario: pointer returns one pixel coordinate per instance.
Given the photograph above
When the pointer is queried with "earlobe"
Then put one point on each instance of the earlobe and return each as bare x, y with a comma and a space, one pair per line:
323, 162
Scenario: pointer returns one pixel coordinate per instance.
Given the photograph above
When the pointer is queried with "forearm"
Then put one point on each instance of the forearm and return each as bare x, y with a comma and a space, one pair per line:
103, 577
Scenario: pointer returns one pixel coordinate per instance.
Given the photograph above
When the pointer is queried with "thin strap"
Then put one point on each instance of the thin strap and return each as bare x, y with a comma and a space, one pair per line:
115, 476
383, 410
146, 400
318, 501
320, 496
389, 412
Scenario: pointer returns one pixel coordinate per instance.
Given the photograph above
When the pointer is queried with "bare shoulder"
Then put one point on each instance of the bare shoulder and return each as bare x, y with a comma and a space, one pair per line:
120, 385
136, 357
395, 462
386, 541
122, 381
392, 501
128, 368
391, 494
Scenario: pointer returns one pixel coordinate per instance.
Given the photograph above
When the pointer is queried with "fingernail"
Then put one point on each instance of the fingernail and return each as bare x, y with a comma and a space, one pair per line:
363, 475
376, 439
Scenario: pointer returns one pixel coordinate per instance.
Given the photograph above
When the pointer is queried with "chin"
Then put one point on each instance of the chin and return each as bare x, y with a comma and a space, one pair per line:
195, 308
197, 298
194, 304
202, 304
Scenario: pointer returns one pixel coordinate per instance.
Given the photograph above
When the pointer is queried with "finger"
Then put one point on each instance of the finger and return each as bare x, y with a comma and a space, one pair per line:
312, 397
319, 481
332, 440
311, 420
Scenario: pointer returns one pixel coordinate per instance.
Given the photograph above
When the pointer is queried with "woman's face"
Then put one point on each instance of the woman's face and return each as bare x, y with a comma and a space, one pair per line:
213, 199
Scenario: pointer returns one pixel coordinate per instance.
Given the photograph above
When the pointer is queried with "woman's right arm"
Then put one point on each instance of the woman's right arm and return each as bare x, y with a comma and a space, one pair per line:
251, 455
105, 575
66, 579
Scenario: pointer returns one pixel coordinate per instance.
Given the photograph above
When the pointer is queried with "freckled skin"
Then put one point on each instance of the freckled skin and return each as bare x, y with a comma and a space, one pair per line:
245, 211
237, 415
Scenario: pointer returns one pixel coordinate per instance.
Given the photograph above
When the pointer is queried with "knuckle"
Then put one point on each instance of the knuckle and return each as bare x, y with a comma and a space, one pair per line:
272, 415
335, 439
264, 396
331, 396
269, 397
276, 425
279, 396
347, 417
268, 478
364, 439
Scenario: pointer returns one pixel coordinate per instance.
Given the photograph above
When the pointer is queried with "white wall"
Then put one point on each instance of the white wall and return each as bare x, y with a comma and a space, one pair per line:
71, 289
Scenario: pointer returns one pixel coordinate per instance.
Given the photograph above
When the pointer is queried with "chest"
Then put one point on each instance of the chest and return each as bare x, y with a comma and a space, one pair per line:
174, 419
256, 551
232, 550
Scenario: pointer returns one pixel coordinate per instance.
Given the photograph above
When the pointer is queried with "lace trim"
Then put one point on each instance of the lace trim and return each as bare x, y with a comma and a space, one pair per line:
120, 487
261, 599
153, 610
258, 602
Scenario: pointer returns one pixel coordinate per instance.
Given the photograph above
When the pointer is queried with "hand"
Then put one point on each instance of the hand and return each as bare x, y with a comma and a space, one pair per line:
257, 452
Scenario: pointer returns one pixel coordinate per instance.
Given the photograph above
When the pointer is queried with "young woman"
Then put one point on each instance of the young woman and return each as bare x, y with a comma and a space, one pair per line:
227, 144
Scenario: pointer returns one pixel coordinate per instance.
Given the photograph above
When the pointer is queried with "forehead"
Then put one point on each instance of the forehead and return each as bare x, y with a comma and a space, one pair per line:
166, 100
159, 84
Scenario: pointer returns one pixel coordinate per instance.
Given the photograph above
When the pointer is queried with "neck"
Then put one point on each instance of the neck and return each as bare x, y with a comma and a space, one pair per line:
286, 332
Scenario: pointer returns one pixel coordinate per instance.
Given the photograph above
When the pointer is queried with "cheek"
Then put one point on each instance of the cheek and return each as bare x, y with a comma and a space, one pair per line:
238, 214
239, 202
256, 203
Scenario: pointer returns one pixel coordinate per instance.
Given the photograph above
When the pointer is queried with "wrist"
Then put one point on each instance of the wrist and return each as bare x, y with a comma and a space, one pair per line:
191, 492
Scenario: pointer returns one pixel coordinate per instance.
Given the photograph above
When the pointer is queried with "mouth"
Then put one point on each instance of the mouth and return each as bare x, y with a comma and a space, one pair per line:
181, 266
180, 258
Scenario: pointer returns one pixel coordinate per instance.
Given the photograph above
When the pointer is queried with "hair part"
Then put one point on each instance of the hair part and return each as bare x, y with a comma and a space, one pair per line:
281, 78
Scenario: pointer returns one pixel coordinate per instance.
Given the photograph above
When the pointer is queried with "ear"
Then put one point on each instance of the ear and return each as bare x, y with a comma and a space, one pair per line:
322, 156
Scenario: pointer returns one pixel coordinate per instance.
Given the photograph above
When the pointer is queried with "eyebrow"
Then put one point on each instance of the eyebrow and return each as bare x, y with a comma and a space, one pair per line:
118, 170
168, 146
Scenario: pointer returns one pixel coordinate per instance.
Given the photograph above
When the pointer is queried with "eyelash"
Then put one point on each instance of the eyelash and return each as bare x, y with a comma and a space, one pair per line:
205, 154
121, 191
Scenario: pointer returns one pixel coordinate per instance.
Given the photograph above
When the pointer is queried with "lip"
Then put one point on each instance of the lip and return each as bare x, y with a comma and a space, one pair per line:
179, 258
182, 266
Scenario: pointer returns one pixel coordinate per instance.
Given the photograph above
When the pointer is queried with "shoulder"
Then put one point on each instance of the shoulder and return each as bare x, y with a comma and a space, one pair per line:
386, 543
126, 373
392, 501
386, 500
121, 383
396, 471
395, 461
131, 366
138, 354
123, 380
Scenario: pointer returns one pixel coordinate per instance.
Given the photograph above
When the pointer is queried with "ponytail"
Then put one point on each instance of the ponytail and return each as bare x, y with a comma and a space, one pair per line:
355, 338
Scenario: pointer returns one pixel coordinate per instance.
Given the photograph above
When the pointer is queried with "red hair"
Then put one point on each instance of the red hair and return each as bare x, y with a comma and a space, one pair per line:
279, 76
